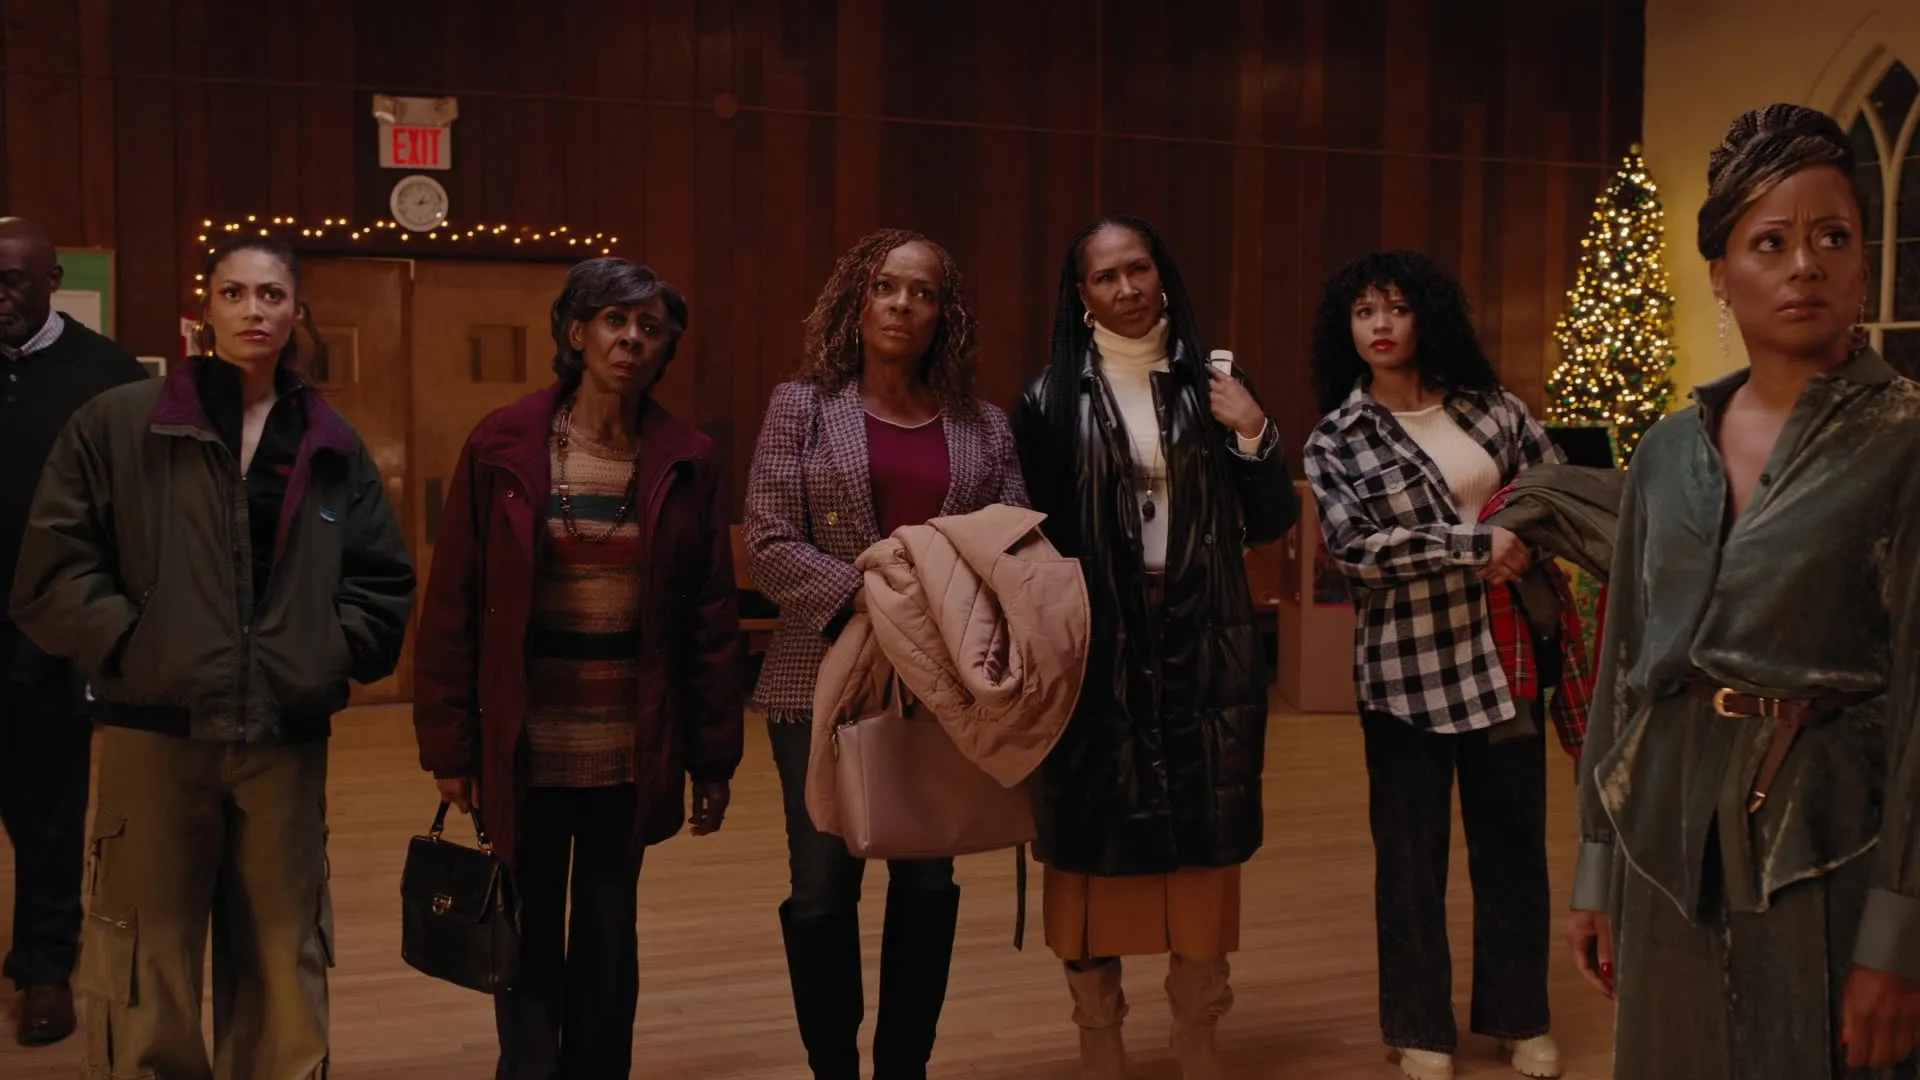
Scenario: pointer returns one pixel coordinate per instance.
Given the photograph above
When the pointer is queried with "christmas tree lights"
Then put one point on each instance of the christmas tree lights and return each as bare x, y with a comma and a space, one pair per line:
1616, 337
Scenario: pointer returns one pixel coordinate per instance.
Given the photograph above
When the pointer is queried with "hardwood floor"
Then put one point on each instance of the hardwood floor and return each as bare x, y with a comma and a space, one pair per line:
715, 1000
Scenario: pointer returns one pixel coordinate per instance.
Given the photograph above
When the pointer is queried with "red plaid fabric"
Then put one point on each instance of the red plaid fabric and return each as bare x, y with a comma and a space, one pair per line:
1573, 699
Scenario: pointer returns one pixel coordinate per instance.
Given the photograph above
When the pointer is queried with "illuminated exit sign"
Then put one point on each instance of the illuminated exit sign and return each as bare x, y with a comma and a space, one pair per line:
415, 133
416, 147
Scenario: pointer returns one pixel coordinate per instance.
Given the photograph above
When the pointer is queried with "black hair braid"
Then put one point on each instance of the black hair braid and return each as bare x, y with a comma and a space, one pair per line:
1072, 335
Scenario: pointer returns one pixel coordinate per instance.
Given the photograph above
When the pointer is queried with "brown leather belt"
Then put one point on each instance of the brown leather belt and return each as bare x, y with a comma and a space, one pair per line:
1792, 714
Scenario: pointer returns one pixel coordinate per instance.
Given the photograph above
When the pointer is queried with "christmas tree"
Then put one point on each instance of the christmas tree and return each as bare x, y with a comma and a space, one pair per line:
1616, 337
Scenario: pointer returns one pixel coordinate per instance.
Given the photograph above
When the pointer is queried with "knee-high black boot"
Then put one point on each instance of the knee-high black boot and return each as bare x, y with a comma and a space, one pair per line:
916, 955
823, 962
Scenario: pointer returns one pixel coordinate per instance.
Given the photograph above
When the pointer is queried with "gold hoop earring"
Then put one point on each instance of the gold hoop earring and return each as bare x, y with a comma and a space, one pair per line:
1164, 306
1726, 328
1088, 318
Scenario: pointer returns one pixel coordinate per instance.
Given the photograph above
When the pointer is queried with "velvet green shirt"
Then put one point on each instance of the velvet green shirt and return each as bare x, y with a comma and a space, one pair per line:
1815, 588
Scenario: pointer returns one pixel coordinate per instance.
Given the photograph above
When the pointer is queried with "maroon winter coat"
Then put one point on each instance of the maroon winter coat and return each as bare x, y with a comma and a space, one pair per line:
470, 671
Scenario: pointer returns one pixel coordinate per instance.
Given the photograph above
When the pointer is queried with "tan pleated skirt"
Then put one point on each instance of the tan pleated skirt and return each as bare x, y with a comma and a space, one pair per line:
1193, 912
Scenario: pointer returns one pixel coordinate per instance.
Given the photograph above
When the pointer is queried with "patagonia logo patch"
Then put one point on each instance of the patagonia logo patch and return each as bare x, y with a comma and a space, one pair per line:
328, 513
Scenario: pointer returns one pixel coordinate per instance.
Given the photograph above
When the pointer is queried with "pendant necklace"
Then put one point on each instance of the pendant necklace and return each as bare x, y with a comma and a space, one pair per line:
1147, 509
563, 435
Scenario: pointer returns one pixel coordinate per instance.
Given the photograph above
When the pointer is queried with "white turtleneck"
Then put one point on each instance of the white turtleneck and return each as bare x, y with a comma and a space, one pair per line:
1129, 364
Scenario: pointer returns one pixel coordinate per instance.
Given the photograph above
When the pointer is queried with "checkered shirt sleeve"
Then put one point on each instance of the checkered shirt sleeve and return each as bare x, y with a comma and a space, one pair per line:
1424, 650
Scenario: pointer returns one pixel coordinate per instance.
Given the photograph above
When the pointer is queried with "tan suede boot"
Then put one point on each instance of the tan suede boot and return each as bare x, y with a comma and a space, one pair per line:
1200, 995
1099, 1007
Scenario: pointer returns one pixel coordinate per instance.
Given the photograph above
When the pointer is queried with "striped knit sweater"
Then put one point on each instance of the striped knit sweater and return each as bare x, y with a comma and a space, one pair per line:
583, 644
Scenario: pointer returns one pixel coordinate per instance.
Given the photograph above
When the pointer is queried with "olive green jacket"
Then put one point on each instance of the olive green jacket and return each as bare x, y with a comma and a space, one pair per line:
136, 566
1815, 588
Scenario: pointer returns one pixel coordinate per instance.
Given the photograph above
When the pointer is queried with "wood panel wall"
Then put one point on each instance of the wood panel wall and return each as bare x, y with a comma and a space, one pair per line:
739, 145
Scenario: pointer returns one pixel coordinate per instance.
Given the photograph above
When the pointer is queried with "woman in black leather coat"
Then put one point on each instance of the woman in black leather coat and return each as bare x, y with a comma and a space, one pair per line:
1155, 470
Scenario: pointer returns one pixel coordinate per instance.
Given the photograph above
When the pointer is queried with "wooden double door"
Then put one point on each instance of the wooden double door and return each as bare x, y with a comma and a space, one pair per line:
416, 353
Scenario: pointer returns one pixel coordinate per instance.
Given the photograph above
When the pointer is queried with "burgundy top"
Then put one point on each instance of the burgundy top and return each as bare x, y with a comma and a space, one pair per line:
911, 472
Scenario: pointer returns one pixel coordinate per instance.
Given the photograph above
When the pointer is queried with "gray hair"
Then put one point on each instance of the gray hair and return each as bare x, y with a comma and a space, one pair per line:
598, 284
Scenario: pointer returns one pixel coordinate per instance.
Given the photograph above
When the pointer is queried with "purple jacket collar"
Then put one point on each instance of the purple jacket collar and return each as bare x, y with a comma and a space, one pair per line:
179, 410
179, 406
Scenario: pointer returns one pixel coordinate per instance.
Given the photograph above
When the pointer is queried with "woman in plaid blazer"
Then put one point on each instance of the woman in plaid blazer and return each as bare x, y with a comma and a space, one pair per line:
1418, 436
878, 430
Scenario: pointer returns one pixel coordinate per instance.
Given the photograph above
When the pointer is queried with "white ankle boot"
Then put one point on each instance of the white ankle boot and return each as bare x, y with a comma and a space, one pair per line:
1537, 1057
1426, 1065
1099, 1007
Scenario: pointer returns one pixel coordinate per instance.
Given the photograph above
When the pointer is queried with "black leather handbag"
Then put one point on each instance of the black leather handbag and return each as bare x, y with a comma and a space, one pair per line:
459, 913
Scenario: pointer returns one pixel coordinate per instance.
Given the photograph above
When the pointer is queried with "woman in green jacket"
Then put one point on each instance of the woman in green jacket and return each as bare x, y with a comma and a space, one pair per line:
216, 551
1749, 881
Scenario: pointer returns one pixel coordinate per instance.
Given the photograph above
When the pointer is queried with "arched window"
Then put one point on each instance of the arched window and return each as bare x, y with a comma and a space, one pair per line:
1887, 177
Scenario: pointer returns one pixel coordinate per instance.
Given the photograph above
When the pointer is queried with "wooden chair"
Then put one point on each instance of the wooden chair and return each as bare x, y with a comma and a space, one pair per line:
758, 615
1263, 580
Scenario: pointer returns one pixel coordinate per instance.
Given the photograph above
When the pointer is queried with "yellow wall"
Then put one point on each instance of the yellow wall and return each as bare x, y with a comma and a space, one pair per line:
1708, 61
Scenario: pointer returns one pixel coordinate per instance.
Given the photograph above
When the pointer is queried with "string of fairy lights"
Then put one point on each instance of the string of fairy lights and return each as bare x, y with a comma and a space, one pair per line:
558, 240
1616, 336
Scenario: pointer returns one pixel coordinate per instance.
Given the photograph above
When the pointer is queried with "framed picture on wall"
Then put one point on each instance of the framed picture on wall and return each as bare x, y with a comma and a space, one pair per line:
86, 288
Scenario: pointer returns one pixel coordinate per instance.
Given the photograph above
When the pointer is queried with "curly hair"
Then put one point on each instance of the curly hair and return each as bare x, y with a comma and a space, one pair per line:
1447, 353
833, 354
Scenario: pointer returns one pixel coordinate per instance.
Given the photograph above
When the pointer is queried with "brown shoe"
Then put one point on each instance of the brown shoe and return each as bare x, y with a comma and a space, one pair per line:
46, 1015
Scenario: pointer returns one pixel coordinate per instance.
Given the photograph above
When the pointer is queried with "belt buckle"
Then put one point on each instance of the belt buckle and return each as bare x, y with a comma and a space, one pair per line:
1720, 697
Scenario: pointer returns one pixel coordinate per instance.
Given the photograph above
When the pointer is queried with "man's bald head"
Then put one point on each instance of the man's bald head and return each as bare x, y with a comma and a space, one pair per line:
30, 273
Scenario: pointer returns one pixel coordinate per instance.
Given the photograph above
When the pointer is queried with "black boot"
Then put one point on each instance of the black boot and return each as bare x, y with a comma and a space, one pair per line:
916, 953
823, 962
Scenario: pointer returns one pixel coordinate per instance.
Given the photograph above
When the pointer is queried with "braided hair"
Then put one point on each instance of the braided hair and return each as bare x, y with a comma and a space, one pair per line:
1762, 148
1072, 336
833, 354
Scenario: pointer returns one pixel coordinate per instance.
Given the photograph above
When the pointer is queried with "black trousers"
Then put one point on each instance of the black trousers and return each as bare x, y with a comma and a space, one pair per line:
45, 758
820, 923
826, 879
1503, 806
571, 1014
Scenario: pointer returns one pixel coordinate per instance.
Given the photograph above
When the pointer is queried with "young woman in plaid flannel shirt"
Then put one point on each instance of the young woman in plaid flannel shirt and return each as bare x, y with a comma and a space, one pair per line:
1418, 435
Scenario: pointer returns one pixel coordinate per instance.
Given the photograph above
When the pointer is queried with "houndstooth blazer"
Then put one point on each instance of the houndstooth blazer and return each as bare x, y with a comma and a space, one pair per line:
810, 512
1424, 650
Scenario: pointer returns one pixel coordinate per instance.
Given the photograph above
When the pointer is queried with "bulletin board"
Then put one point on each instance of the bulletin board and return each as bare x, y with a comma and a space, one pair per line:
86, 291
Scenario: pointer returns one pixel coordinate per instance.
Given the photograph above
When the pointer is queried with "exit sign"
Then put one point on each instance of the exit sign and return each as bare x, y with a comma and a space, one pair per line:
410, 147
415, 132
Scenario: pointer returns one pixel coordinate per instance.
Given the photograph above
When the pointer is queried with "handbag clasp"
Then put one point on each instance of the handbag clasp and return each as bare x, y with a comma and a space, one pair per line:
442, 903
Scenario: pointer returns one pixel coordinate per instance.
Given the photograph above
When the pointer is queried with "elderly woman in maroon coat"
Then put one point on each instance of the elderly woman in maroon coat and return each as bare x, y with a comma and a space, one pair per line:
578, 658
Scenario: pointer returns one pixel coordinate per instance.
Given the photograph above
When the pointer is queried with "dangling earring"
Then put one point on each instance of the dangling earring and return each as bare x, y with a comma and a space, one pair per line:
1726, 327
1088, 318
1164, 306
1859, 337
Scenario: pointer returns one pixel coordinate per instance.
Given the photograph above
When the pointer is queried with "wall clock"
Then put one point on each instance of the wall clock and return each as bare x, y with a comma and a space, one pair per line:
418, 203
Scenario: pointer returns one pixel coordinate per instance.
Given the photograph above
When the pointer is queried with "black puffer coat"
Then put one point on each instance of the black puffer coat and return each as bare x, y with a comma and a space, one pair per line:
1135, 788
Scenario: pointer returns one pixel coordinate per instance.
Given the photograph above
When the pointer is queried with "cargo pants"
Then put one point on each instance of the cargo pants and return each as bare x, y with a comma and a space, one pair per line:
185, 830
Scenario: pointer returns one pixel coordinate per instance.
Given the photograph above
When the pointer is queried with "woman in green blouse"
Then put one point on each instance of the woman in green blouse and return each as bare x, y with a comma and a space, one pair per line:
1749, 881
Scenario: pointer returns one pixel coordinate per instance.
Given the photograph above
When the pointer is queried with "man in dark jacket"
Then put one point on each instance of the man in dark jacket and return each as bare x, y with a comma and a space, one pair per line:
52, 366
